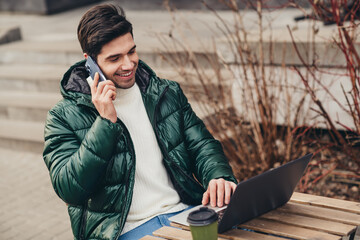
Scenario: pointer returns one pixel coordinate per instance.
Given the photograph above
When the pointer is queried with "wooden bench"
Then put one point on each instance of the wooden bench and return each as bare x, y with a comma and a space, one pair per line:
305, 216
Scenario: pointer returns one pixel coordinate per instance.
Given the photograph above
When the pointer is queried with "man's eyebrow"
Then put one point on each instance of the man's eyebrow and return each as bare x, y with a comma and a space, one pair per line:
133, 48
119, 54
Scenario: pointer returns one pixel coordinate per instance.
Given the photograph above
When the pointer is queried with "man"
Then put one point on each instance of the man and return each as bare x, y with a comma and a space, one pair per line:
128, 152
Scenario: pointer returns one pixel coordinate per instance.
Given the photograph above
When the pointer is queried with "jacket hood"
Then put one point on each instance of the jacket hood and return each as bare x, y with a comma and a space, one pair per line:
75, 86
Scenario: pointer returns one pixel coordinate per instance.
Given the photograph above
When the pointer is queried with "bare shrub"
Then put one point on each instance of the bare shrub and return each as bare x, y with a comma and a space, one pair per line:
344, 128
249, 104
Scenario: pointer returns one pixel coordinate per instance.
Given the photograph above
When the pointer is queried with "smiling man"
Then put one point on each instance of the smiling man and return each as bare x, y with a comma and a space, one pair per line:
127, 153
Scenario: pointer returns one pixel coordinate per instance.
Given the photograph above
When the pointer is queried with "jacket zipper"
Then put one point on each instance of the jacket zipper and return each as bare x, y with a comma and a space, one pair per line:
83, 222
84, 214
127, 179
162, 144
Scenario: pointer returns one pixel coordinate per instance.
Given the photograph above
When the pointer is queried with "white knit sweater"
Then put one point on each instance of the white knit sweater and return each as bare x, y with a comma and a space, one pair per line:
153, 192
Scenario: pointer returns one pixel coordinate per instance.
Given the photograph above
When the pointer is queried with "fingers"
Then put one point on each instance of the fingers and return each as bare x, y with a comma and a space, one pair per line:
105, 85
93, 86
233, 187
227, 193
102, 95
213, 192
219, 192
206, 197
110, 93
102, 89
229, 190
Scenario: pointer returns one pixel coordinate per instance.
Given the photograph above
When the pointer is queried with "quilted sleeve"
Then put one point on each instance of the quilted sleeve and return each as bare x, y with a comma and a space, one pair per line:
75, 167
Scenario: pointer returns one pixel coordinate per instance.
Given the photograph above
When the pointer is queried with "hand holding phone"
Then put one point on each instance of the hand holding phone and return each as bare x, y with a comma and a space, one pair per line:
92, 68
102, 95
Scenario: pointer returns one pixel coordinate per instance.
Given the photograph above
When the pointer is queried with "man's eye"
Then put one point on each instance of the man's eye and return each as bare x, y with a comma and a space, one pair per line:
114, 59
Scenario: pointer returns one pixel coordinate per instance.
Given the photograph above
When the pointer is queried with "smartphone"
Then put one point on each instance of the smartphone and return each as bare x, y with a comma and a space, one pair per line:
92, 68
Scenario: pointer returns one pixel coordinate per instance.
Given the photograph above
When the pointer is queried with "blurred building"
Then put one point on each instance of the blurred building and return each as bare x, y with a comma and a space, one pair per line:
55, 6
41, 6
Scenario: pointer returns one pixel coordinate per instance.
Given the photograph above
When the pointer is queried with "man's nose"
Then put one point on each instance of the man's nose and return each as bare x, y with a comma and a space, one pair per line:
127, 64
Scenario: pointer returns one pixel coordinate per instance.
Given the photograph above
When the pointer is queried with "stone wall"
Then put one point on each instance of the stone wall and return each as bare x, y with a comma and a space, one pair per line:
196, 4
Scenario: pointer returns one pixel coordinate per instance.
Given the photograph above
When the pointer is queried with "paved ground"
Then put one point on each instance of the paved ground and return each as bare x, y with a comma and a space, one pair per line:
29, 207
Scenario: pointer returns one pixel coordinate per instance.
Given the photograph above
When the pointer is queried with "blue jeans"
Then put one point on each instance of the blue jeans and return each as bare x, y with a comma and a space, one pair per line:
149, 227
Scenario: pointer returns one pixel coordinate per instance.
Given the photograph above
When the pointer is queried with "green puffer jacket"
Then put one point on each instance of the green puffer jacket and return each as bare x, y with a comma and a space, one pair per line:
92, 162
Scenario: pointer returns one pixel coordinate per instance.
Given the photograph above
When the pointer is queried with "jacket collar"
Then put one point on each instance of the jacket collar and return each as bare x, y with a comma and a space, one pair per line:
152, 89
74, 85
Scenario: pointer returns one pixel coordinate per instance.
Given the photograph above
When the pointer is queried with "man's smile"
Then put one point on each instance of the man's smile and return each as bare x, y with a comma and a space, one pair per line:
126, 74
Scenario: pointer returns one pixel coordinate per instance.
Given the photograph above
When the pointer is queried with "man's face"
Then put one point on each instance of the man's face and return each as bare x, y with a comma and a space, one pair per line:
118, 61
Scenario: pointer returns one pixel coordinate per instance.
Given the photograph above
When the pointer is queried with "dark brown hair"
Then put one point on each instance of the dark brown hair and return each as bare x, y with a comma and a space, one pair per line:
100, 25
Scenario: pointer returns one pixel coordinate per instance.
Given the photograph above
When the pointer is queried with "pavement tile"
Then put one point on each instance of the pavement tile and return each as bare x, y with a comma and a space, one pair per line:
64, 235
8, 234
29, 207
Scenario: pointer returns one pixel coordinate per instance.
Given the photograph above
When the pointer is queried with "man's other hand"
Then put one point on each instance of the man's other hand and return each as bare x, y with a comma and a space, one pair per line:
102, 96
219, 192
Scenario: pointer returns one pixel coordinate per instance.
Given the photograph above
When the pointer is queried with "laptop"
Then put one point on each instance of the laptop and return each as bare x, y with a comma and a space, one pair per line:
257, 195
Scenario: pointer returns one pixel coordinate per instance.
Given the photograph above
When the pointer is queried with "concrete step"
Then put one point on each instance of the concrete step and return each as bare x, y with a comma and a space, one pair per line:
31, 77
9, 34
33, 106
41, 52
67, 52
53, 39
26, 106
22, 135
27, 135
46, 77
22, 121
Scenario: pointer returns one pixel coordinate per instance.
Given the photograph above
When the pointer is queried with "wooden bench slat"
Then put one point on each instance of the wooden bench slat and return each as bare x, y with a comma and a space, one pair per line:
321, 213
174, 233
344, 205
310, 222
238, 234
234, 234
177, 225
285, 230
150, 238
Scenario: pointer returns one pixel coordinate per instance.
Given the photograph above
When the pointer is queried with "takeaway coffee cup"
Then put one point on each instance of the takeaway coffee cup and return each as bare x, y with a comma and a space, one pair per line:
203, 224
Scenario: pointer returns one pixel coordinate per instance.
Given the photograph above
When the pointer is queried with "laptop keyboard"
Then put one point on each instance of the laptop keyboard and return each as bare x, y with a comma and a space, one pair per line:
221, 214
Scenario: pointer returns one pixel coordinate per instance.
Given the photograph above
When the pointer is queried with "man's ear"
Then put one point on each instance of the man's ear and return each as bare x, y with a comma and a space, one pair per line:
85, 55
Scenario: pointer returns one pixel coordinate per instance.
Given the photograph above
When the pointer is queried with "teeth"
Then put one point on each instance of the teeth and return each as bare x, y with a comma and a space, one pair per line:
126, 74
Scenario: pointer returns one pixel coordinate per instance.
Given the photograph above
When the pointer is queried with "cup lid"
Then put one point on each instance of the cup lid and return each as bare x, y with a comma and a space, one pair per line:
202, 217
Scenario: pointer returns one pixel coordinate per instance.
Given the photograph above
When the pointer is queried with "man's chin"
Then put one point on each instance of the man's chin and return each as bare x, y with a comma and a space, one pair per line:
124, 84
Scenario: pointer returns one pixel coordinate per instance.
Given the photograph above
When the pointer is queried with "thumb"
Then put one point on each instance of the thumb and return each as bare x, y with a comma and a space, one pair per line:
206, 198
